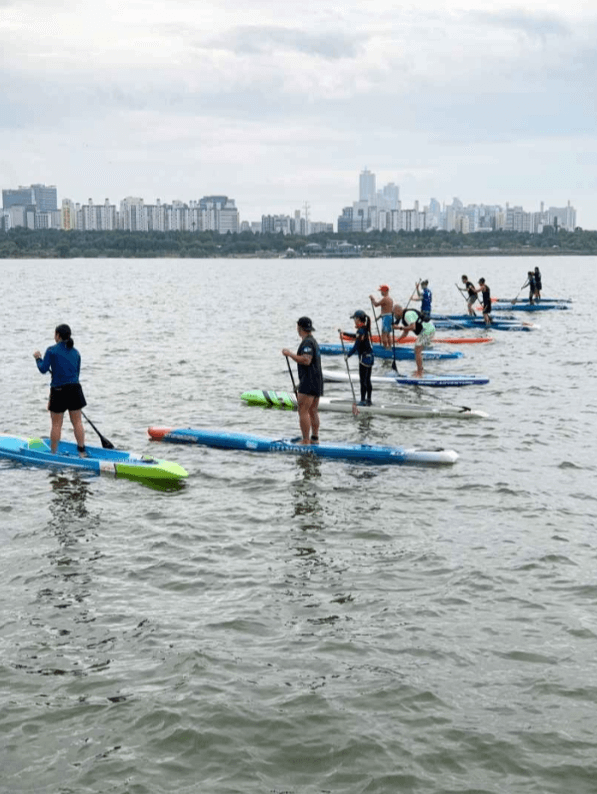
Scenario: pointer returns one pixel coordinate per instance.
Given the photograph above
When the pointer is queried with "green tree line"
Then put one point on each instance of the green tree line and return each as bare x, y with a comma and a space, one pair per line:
56, 244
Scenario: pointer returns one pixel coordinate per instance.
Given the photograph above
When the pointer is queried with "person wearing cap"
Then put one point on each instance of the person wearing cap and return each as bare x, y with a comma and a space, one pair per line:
425, 297
412, 321
386, 305
310, 387
362, 346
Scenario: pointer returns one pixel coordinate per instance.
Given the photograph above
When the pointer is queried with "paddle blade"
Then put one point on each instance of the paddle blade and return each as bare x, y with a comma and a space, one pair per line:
106, 443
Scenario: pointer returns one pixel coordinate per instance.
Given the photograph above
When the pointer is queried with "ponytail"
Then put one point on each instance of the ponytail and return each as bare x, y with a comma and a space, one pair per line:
64, 333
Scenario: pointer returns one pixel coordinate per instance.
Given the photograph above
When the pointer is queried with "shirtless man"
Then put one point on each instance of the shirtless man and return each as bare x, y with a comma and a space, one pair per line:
386, 305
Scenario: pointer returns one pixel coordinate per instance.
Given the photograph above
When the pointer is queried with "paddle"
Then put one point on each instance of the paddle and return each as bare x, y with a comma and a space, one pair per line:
291, 375
462, 407
394, 366
464, 294
375, 318
413, 295
526, 284
106, 444
355, 410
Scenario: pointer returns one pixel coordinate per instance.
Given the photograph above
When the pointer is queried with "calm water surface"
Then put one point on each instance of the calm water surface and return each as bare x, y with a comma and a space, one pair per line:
284, 625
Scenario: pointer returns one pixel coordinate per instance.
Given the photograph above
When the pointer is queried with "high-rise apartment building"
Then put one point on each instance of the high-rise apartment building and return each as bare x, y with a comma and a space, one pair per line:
367, 186
44, 198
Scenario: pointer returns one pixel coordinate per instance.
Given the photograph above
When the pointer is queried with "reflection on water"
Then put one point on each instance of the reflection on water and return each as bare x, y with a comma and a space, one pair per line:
305, 494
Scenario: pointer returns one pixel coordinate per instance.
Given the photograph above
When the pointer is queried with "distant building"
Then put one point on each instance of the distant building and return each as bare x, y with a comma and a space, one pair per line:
367, 186
219, 214
44, 198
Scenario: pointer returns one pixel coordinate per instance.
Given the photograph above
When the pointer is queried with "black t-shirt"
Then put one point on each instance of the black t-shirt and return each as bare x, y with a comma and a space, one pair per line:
310, 377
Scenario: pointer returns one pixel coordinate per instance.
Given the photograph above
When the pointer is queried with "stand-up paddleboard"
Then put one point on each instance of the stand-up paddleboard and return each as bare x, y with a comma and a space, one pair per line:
37, 452
401, 353
365, 453
287, 401
445, 340
466, 321
437, 381
526, 307
526, 300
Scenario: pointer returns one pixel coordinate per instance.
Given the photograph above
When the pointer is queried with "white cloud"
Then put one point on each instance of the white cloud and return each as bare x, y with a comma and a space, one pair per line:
179, 98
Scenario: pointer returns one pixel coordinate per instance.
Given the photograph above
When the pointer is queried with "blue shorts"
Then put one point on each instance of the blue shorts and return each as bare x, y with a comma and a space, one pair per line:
386, 323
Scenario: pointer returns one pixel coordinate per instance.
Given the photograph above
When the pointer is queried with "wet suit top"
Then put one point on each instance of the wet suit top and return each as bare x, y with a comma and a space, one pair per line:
64, 363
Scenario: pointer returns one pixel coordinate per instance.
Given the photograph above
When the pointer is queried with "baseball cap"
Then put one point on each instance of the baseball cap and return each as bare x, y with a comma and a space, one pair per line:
384, 288
305, 323
358, 315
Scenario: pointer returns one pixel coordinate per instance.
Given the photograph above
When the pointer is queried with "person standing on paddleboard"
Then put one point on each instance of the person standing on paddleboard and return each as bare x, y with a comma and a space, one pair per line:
386, 305
64, 362
411, 320
538, 284
472, 295
486, 294
310, 387
425, 297
362, 346
532, 285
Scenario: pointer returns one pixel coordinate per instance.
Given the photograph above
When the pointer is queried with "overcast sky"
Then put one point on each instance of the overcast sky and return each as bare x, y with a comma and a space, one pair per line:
277, 104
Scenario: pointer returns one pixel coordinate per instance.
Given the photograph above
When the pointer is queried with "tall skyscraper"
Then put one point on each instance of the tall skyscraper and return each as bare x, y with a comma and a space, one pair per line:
367, 186
391, 194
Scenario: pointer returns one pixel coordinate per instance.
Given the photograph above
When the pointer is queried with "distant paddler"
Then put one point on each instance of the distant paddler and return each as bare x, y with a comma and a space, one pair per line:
386, 304
425, 296
486, 295
310, 387
412, 321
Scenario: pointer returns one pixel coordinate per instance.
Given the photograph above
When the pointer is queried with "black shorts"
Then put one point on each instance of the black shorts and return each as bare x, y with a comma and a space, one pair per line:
69, 397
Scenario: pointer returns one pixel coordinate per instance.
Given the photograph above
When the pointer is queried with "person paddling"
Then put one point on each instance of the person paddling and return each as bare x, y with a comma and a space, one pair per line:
486, 294
310, 387
64, 362
362, 346
425, 296
386, 304
538, 284
411, 320
472, 294
532, 285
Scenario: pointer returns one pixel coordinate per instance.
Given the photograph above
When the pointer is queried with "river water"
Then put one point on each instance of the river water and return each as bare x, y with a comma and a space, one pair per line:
282, 625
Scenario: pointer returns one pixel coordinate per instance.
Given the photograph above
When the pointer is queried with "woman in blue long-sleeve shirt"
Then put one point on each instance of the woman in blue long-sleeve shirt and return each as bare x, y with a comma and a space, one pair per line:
64, 362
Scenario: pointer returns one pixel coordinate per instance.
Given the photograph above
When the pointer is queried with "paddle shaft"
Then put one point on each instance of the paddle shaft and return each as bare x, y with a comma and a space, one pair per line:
106, 443
355, 410
464, 294
375, 317
291, 375
526, 283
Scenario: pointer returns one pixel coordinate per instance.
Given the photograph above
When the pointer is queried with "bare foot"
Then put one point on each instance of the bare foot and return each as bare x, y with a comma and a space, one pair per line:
418, 374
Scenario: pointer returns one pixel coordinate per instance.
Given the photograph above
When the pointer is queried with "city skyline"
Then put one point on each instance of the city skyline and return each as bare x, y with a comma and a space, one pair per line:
172, 98
36, 207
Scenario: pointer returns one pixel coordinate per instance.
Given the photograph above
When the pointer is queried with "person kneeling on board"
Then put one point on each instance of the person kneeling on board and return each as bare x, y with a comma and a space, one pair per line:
362, 346
412, 321
310, 387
